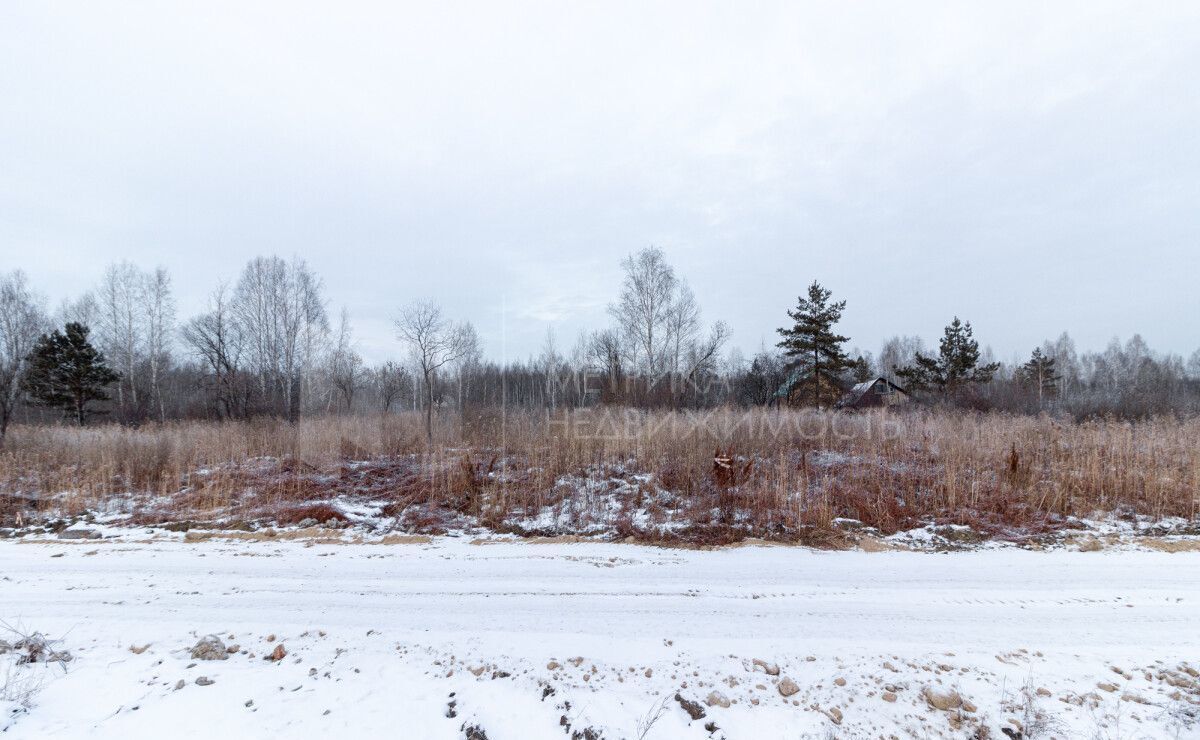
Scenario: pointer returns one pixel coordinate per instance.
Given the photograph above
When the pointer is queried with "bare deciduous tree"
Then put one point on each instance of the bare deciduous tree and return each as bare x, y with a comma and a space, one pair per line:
281, 310
394, 382
82, 310
660, 325
548, 363
702, 358
345, 364
898, 352
134, 316
121, 332
644, 308
217, 340
159, 307
22, 319
683, 326
467, 361
605, 352
434, 342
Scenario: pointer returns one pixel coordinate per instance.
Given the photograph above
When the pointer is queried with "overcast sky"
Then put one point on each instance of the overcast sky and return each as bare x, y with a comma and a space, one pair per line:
1032, 168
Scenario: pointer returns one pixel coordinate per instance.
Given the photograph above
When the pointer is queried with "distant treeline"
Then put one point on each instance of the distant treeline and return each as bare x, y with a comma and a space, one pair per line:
267, 345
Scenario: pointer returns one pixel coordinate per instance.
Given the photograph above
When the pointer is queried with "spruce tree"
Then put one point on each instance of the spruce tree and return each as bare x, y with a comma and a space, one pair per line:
955, 367
813, 348
67, 373
1039, 374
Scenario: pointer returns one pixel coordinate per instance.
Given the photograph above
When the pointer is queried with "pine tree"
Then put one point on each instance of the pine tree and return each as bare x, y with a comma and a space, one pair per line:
813, 347
955, 367
67, 373
1039, 374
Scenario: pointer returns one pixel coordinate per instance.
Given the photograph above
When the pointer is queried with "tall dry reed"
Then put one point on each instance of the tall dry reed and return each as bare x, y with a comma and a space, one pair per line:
784, 469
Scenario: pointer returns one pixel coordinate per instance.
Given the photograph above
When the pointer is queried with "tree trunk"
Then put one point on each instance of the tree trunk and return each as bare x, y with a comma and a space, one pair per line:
429, 410
817, 379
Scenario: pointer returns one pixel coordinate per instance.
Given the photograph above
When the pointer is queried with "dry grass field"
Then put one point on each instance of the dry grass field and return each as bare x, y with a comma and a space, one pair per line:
714, 476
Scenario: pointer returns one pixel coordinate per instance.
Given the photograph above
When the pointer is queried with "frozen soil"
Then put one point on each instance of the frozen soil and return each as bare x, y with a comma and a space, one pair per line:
452, 637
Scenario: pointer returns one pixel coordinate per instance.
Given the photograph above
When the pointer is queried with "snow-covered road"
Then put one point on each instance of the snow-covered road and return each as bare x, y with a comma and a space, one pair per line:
379, 636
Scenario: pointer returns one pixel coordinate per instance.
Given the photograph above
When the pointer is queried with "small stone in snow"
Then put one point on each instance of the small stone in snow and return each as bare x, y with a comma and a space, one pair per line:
210, 648
944, 701
79, 534
771, 669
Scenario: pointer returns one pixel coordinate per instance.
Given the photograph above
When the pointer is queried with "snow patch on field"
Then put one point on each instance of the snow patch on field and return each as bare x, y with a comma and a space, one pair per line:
613, 508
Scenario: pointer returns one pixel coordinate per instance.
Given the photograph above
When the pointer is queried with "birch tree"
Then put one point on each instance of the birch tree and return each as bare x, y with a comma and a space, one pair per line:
159, 309
121, 331
467, 361
548, 363
682, 327
281, 311
643, 309
22, 319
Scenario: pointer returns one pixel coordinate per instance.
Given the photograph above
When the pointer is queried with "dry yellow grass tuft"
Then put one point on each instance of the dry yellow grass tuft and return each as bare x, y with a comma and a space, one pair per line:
1166, 545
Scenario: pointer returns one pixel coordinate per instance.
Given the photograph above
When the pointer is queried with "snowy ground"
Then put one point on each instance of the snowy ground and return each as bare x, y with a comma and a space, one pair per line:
551, 640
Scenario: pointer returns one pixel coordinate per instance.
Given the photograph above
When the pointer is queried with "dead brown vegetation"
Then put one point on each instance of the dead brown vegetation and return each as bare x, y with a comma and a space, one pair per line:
775, 474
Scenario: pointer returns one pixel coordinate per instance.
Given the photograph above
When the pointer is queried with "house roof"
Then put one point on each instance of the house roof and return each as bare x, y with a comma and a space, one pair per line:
855, 394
